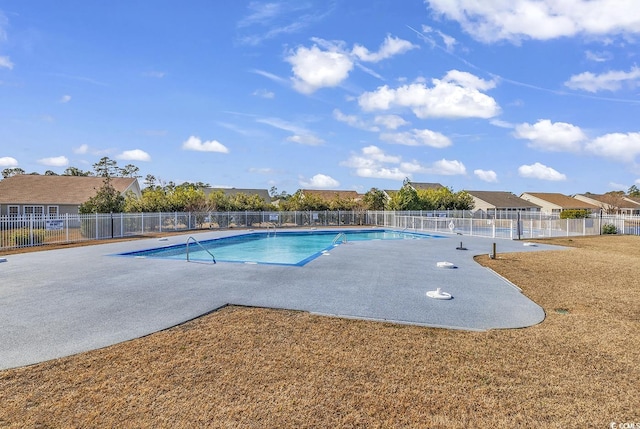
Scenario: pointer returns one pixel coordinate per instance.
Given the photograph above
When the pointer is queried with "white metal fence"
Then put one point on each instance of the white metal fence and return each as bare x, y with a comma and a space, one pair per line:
23, 231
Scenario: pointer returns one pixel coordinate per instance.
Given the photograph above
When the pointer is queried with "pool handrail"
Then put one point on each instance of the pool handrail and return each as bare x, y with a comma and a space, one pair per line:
201, 246
270, 224
337, 238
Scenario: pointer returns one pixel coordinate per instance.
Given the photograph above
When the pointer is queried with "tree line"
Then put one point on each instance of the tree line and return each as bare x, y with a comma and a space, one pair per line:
157, 196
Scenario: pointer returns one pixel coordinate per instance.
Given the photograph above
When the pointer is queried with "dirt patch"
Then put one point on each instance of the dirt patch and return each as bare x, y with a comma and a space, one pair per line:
250, 367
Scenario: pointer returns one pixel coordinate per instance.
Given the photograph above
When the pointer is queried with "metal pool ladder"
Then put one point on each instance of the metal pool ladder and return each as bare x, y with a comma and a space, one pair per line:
269, 225
341, 236
201, 246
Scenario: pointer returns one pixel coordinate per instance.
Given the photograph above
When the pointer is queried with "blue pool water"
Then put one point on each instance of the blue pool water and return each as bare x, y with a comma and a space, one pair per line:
283, 248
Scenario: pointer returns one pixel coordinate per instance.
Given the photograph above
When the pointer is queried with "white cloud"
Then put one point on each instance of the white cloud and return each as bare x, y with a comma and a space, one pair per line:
65, 99
270, 76
617, 146
267, 20
417, 138
501, 124
377, 154
598, 57
261, 13
540, 171
264, 93
448, 41
390, 47
447, 167
7, 161
6, 63
468, 80
196, 144
134, 155
443, 167
551, 136
353, 121
455, 96
618, 186
314, 68
300, 134
514, 20
55, 161
609, 81
327, 63
262, 170
82, 149
373, 163
305, 139
320, 181
486, 175
390, 122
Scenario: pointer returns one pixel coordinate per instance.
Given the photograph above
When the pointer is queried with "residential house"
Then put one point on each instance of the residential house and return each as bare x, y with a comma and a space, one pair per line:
493, 202
611, 203
332, 195
26, 194
230, 192
423, 186
554, 203
635, 200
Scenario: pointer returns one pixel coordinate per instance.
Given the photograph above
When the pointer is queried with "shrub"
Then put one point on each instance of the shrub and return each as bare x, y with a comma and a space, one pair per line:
574, 214
609, 228
22, 237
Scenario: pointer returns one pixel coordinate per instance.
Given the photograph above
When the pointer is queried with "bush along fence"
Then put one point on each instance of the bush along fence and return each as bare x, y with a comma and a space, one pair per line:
24, 231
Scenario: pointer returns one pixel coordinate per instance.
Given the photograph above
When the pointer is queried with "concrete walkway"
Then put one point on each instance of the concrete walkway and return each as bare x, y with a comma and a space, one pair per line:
60, 302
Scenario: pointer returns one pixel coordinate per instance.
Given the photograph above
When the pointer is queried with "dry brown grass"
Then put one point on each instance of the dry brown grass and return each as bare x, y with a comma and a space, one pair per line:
250, 367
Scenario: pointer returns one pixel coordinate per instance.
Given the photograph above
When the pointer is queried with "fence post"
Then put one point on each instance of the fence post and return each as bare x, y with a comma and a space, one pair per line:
31, 229
96, 226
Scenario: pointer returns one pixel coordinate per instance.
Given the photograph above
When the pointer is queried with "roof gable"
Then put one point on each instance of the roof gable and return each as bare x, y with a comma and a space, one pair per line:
262, 193
560, 200
423, 186
329, 195
502, 200
604, 200
71, 190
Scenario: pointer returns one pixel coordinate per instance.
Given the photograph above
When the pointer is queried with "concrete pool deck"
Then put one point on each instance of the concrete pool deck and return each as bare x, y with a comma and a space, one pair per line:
57, 303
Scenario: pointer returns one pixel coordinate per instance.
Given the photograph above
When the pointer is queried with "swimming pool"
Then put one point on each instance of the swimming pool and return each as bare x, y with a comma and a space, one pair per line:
295, 248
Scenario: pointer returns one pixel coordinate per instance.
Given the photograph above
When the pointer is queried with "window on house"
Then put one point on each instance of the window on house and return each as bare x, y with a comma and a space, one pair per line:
14, 210
34, 210
52, 211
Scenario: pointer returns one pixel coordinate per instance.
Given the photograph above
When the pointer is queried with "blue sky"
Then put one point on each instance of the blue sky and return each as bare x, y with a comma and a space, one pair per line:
506, 95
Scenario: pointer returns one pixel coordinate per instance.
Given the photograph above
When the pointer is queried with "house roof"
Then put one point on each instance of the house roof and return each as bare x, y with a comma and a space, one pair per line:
328, 195
421, 186
502, 200
622, 201
263, 193
560, 200
72, 190
633, 199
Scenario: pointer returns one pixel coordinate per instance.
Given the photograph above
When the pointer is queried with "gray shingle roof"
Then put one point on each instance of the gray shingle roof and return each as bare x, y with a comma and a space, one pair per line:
42, 189
502, 200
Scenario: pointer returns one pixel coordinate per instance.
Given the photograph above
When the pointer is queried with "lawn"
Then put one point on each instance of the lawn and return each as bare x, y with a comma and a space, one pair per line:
255, 368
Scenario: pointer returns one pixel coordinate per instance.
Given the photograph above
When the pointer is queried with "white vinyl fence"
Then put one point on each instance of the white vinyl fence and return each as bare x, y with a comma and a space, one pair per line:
24, 231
